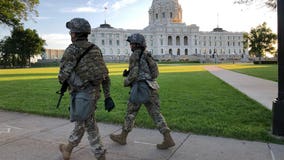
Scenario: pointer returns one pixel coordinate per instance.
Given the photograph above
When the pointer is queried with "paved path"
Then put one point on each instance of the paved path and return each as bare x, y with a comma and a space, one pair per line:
261, 90
31, 137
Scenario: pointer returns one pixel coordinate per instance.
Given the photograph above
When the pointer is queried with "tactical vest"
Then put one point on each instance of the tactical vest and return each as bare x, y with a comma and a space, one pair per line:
92, 68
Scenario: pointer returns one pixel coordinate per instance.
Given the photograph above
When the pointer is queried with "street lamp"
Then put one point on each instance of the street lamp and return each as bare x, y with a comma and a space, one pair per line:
278, 103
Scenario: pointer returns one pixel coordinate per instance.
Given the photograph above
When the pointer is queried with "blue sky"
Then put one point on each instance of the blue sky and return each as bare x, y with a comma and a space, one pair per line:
133, 14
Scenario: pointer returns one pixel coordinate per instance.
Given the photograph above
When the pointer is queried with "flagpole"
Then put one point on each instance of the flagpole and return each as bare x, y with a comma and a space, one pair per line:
105, 13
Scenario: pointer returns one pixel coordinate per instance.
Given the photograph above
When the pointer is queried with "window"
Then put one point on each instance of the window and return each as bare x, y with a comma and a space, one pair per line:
110, 42
164, 15
117, 42
170, 40
161, 42
186, 51
157, 16
171, 15
185, 39
177, 41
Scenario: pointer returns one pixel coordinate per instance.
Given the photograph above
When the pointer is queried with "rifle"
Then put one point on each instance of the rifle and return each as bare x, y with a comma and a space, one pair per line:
62, 90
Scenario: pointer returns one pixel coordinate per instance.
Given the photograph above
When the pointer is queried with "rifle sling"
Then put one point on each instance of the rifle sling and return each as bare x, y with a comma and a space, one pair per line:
83, 54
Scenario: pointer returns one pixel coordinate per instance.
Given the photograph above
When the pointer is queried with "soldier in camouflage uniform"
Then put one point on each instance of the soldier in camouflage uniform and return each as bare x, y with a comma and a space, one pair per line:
78, 78
140, 70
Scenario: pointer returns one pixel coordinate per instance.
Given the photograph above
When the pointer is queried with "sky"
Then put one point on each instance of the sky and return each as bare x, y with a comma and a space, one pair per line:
133, 14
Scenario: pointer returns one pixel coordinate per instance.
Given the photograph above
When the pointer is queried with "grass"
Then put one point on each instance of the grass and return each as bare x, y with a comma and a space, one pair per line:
268, 71
192, 100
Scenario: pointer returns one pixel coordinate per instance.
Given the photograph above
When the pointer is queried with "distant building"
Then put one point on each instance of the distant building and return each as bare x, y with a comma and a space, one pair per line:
54, 54
169, 38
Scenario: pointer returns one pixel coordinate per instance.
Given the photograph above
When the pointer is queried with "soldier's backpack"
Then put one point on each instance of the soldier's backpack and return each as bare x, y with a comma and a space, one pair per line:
92, 67
153, 66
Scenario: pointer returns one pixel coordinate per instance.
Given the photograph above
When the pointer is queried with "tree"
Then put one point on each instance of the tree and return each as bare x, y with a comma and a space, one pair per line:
269, 3
245, 41
261, 40
13, 11
21, 46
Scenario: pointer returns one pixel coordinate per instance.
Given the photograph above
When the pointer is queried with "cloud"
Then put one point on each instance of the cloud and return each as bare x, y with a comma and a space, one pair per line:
87, 9
56, 41
122, 3
92, 7
90, 2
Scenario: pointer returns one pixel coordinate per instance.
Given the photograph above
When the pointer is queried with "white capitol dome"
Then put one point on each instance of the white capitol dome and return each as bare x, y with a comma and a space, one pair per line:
168, 37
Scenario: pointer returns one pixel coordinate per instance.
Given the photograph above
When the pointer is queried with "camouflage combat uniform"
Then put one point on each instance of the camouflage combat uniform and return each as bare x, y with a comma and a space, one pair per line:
77, 84
139, 70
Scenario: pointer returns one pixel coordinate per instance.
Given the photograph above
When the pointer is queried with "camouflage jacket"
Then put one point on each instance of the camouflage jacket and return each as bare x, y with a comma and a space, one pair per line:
139, 69
73, 75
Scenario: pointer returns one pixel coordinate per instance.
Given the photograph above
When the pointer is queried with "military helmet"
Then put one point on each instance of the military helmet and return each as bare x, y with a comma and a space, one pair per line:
79, 25
137, 38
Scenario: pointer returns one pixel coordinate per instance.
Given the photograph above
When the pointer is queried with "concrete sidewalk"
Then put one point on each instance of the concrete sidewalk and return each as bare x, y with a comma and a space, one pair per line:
31, 137
261, 90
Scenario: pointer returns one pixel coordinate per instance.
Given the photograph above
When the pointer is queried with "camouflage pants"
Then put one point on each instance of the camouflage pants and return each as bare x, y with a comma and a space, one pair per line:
153, 108
94, 138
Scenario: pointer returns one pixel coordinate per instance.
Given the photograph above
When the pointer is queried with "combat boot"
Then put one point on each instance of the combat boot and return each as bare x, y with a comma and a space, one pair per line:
66, 150
102, 157
120, 138
167, 143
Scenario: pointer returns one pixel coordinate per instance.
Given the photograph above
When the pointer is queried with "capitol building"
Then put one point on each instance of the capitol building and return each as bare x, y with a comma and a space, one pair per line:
169, 39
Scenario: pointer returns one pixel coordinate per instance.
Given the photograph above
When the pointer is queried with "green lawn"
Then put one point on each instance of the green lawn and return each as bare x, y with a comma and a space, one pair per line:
192, 100
269, 71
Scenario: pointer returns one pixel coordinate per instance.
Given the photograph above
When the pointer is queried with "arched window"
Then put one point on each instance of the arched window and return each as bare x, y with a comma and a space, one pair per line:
170, 40
185, 40
177, 40
186, 51
170, 51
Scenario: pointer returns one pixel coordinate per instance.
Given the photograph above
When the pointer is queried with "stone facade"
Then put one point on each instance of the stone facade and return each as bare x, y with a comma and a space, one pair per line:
168, 38
55, 54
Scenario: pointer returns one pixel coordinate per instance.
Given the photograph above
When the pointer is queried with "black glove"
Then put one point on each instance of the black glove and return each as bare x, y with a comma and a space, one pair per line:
125, 73
109, 104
